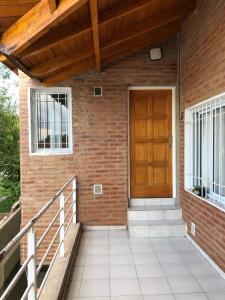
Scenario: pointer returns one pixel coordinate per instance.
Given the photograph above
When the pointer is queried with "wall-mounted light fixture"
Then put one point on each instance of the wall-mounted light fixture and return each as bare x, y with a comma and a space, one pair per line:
155, 53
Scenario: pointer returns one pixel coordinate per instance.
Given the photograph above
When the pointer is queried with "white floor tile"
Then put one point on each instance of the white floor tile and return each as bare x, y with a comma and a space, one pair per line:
112, 266
149, 270
191, 256
141, 248
145, 258
118, 241
98, 249
139, 241
97, 260
198, 296
124, 287
216, 295
126, 298
90, 298
121, 259
183, 246
201, 268
119, 249
96, 272
123, 271
184, 285
168, 257
175, 269
163, 247
159, 297
154, 286
94, 288
211, 283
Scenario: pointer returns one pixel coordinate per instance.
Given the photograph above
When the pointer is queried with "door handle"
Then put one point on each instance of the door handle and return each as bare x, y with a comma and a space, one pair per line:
171, 142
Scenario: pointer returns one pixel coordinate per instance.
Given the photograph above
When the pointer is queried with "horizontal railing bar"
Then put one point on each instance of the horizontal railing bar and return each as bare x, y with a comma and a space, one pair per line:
70, 194
36, 217
14, 280
49, 269
48, 228
69, 209
69, 222
48, 249
26, 292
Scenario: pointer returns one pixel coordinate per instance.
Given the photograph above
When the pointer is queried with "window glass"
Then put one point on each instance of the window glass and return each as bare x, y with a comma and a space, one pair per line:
50, 121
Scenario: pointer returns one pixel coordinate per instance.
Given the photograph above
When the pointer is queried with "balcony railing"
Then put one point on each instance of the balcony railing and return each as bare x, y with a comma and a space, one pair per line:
58, 220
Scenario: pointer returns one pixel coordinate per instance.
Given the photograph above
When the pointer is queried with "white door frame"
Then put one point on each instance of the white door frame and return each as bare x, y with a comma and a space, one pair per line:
174, 145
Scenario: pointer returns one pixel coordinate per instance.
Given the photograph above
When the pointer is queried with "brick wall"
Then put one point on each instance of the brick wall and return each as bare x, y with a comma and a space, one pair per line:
100, 135
203, 75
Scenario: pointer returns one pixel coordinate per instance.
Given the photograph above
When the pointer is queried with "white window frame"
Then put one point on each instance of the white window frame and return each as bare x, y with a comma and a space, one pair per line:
208, 105
51, 151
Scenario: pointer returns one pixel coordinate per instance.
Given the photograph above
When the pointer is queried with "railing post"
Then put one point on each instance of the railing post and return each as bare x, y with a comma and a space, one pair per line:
74, 187
31, 267
62, 224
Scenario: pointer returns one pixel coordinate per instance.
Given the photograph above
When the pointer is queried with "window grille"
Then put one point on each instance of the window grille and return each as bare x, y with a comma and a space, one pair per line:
50, 115
205, 150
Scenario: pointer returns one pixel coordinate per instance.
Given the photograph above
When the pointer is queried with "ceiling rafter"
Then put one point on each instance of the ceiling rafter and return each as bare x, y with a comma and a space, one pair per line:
54, 38
52, 5
33, 25
95, 32
159, 34
118, 38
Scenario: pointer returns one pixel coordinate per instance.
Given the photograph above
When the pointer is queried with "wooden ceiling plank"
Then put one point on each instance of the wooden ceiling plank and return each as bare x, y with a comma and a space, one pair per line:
119, 38
52, 5
61, 61
35, 23
95, 32
71, 71
74, 69
159, 34
154, 22
125, 7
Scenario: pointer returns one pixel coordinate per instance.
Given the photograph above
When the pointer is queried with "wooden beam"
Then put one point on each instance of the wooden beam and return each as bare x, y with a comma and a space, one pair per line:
17, 64
56, 36
52, 5
119, 38
127, 48
95, 32
34, 24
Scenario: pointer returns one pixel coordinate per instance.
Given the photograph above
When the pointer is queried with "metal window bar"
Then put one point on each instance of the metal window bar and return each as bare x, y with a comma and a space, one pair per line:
50, 133
207, 146
30, 263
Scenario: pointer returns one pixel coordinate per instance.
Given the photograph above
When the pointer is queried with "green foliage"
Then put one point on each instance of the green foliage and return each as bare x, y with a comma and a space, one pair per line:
9, 142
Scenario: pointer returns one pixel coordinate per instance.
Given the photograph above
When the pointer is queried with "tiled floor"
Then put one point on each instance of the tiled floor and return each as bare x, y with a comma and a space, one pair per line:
112, 266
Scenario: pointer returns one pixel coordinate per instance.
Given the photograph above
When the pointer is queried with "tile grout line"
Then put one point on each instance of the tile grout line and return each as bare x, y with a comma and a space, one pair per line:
132, 254
165, 276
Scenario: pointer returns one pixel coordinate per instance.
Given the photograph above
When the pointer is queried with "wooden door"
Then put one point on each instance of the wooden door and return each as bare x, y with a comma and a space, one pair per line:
151, 143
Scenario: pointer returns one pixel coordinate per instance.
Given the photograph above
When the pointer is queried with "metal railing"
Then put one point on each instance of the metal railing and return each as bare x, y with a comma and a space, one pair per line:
30, 264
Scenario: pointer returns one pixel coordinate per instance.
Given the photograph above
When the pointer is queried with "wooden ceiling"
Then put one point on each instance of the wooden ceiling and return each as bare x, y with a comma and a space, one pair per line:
54, 40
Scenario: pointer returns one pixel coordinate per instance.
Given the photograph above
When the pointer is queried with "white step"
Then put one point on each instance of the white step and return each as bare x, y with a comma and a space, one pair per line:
151, 201
154, 212
159, 228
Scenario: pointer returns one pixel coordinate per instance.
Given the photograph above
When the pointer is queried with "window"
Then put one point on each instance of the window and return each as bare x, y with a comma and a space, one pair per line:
50, 121
205, 150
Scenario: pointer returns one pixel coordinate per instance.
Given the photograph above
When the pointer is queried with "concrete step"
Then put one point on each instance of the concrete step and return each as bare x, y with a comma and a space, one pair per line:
151, 201
157, 228
154, 212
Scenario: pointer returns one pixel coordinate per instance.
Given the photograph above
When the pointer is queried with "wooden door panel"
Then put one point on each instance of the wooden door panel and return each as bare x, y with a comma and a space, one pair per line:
150, 137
